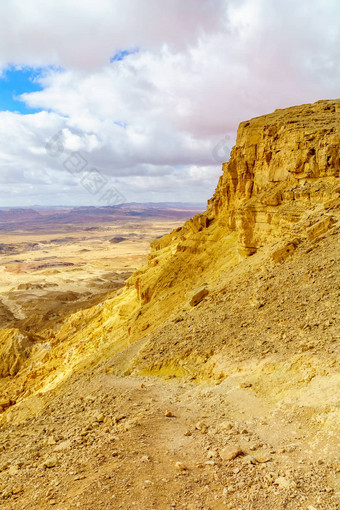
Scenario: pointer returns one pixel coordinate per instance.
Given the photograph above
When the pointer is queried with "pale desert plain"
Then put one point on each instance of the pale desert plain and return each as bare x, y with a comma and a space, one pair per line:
62, 263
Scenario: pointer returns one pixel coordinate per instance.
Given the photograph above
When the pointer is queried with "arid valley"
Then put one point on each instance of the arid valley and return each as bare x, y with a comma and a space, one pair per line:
55, 261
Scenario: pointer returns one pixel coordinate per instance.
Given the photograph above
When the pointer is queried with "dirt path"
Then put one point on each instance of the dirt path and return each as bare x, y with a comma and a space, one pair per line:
109, 444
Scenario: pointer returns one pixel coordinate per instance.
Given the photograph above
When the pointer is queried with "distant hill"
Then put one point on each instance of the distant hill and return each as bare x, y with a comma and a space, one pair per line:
32, 219
14, 215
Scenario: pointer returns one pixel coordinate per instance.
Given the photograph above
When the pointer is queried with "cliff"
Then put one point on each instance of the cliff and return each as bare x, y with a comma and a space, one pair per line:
283, 165
280, 189
280, 186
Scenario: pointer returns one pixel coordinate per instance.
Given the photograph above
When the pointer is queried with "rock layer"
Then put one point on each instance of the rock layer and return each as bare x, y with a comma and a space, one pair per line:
282, 165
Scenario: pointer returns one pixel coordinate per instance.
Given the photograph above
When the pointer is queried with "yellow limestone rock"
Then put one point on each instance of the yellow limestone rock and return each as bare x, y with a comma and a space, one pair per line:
230, 453
198, 295
283, 164
15, 349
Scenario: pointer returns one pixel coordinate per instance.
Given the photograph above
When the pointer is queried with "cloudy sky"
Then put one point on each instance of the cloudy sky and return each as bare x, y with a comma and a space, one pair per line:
103, 101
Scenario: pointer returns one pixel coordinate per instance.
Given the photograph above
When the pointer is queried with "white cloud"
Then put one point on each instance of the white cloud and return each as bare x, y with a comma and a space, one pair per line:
86, 34
151, 121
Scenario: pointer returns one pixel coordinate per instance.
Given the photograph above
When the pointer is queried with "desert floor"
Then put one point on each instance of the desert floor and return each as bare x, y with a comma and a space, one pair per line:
44, 275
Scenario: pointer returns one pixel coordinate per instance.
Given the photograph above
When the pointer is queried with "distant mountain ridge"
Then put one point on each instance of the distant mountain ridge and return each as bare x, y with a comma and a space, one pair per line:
18, 218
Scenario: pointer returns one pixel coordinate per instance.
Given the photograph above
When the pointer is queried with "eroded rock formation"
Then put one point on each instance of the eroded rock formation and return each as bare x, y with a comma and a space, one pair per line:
282, 179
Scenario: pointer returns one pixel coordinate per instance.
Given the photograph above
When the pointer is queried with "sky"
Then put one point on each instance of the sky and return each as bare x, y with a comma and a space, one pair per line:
104, 102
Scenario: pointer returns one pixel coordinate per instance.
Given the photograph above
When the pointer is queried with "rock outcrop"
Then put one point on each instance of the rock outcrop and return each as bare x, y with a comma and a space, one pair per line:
283, 165
280, 184
15, 349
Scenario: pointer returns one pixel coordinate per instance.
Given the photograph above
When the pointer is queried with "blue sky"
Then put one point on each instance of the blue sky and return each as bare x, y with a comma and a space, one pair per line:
120, 55
13, 83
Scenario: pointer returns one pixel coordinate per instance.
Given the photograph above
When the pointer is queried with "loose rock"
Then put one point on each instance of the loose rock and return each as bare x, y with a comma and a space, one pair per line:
230, 453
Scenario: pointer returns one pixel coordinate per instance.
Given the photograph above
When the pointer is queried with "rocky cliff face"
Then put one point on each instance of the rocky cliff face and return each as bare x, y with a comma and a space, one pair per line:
280, 188
282, 165
282, 178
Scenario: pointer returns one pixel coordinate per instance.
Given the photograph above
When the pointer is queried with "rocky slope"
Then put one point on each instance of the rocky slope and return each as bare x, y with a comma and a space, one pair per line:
243, 298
